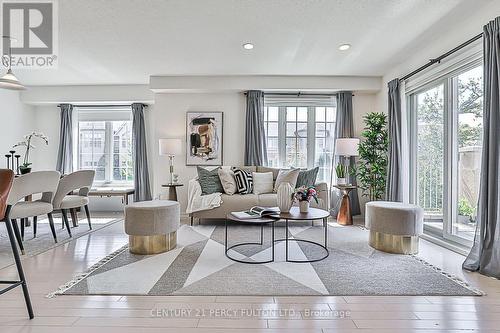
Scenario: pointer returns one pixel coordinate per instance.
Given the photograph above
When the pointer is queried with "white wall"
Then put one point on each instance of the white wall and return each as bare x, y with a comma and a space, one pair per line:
170, 121
16, 120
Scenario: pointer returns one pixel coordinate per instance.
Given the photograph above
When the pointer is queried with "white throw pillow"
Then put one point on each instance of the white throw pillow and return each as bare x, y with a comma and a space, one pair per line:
262, 182
227, 180
287, 176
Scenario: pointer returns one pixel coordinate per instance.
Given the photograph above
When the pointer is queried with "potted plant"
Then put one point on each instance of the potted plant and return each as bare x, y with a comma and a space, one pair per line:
340, 170
26, 166
465, 212
303, 196
372, 169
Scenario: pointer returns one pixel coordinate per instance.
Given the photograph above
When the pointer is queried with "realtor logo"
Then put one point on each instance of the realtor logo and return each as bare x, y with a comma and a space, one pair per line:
32, 27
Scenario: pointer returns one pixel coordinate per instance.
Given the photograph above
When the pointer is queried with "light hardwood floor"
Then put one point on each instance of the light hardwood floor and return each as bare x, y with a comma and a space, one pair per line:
145, 314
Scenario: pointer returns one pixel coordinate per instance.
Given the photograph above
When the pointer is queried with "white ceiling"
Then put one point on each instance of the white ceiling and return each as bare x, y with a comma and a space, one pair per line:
124, 42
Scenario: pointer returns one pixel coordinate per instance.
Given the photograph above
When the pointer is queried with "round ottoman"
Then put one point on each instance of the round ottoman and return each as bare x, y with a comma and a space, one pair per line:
394, 226
152, 226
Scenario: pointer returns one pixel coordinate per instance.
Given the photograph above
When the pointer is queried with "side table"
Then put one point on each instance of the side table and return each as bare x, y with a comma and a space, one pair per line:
344, 216
172, 190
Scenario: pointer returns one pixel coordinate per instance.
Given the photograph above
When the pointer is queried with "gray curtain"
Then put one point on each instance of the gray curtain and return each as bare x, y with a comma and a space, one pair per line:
344, 128
485, 254
65, 152
139, 153
393, 190
255, 138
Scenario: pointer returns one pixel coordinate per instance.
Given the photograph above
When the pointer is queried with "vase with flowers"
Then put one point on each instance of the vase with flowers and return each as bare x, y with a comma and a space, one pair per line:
303, 195
28, 138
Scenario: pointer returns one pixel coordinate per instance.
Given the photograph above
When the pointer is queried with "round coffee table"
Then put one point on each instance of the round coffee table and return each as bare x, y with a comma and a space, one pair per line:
256, 221
296, 215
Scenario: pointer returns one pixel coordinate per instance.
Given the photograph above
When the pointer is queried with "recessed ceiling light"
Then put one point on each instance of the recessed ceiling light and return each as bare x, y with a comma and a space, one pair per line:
344, 47
248, 46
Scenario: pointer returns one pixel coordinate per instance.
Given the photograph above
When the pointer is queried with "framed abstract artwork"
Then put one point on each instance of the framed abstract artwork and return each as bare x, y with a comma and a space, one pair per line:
204, 138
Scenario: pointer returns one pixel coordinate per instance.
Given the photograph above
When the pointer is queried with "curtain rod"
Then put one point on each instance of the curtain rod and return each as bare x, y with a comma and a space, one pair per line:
441, 57
299, 94
99, 105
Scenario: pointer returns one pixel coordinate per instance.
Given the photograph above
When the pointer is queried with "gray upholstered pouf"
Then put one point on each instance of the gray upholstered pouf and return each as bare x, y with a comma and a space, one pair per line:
394, 226
152, 226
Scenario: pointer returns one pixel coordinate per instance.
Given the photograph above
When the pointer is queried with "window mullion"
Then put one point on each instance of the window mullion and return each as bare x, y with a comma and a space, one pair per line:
311, 136
282, 135
108, 153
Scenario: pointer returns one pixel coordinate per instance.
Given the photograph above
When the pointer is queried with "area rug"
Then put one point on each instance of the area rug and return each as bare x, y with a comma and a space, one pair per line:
198, 266
44, 240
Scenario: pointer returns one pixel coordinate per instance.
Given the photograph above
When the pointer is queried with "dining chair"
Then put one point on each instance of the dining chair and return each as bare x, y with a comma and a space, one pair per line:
72, 193
6, 180
38, 182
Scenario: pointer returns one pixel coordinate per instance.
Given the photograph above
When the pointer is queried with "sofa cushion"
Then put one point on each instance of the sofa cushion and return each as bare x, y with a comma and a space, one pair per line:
262, 182
268, 200
209, 180
244, 181
275, 171
238, 202
287, 176
228, 181
307, 177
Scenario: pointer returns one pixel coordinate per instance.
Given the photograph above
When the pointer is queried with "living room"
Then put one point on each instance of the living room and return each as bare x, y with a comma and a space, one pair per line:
182, 113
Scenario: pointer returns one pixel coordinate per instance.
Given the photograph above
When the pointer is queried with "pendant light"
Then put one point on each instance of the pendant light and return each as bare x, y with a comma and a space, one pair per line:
9, 80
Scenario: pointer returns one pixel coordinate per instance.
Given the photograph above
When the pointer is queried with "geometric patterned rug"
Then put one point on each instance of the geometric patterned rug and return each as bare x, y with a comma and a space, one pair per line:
198, 266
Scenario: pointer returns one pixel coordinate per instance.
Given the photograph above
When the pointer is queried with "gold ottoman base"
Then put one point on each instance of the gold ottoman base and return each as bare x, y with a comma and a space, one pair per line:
394, 243
152, 244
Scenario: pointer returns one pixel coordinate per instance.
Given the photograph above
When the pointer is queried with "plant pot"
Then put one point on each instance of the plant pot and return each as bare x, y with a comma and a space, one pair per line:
304, 206
341, 181
24, 170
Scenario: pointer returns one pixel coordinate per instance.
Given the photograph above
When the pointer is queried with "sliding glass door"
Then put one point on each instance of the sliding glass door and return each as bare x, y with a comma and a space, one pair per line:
446, 137
430, 152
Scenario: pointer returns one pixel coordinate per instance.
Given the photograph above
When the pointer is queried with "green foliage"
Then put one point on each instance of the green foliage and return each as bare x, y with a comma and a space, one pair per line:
372, 169
340, 170
466, 209
430, 141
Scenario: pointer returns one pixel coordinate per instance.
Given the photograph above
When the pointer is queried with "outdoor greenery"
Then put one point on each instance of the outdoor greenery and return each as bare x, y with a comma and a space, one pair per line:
372, 169
430, 143
466, 209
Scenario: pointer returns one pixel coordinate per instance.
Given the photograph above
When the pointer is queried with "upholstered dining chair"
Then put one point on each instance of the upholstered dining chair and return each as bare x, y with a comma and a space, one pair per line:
38, 182
6, 180
64, 199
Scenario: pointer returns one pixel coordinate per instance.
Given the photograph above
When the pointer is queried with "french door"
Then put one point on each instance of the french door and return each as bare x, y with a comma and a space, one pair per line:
446, 136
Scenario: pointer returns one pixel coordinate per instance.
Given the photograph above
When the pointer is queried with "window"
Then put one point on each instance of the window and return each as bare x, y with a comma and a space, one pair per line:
105, 144
446, 142
300, 133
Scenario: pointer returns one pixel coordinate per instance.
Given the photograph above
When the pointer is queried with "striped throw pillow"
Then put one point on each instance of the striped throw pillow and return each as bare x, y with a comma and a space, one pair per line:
244, 181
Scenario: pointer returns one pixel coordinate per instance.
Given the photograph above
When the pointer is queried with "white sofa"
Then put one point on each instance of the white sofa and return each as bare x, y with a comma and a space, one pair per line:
240, 202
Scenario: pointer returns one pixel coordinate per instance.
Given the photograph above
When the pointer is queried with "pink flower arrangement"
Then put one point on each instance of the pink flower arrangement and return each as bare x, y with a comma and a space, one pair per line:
305, 194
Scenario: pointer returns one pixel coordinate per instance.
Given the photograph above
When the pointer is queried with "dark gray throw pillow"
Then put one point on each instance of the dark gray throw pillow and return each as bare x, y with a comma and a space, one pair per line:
209, 181
307, 177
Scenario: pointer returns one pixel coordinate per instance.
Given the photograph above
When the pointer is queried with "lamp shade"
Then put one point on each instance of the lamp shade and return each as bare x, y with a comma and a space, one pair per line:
346, 147
10, 81
170, 146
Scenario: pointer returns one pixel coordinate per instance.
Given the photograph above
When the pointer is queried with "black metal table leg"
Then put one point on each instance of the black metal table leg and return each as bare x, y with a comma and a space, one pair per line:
324, 247
325, 224
261, 242
286, 239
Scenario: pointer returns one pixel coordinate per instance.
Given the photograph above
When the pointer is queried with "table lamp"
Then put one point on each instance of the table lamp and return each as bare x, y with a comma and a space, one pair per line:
170, 148
346, 147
